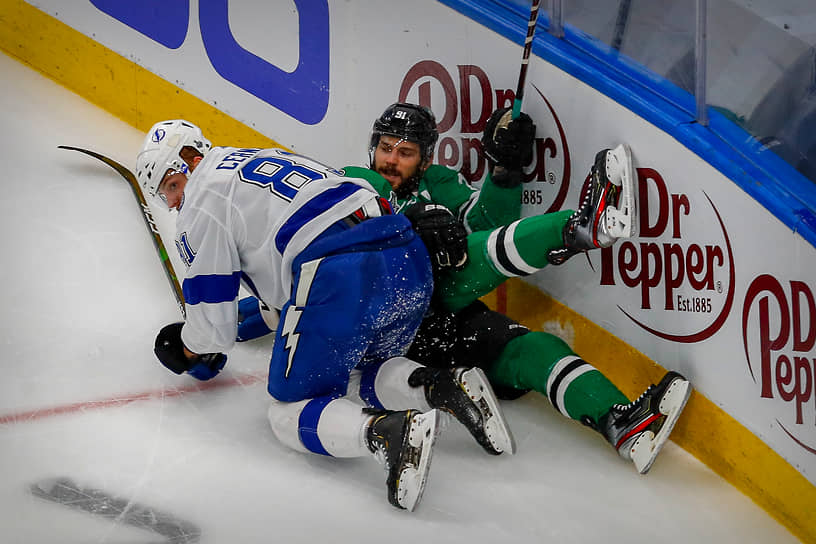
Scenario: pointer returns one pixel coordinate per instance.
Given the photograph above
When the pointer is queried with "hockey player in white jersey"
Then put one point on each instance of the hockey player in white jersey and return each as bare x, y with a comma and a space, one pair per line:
501, 244
352, 282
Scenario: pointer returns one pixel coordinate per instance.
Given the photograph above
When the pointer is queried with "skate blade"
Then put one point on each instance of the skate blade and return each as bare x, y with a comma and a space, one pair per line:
621, 220
422, 436
478, 389
645, 449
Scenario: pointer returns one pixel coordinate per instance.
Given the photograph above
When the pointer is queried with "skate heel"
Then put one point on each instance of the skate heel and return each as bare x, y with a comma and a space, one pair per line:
677, 394
411, 482
403, 442
621, 218
465, 394
645, 449
639, 430
618, 165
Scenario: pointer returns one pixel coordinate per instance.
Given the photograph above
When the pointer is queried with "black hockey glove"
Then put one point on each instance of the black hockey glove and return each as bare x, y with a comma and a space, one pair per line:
443, 236
170, 350
508, 143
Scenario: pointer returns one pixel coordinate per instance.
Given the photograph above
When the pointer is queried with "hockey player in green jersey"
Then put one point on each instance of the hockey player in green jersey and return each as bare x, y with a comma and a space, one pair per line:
501, 245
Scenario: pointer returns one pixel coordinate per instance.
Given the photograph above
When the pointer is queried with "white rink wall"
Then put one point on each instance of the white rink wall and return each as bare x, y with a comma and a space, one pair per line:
714, 286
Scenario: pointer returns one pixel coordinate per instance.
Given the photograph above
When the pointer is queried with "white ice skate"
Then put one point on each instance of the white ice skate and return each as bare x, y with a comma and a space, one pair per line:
621, 217
475, 384
639, 430
467, 395
403, 442
608, 209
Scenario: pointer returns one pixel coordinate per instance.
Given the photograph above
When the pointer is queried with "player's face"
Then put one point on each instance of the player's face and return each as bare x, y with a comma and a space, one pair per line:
397, 160
171, 188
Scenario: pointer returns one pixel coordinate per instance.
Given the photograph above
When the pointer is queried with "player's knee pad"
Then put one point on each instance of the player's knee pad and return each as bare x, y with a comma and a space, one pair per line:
283, 418
324, 425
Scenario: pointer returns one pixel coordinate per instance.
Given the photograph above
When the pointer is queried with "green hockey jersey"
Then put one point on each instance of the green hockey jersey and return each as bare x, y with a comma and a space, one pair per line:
483, 209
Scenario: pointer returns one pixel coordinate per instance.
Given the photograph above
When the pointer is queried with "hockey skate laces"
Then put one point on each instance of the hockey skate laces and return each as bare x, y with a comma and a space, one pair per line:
627, 407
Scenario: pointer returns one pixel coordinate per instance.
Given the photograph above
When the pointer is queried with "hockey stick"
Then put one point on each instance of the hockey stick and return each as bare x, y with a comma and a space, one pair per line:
525, 58
148, 221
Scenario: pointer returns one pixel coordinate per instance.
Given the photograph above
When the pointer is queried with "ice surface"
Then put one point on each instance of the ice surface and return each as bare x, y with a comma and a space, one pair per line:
99, 443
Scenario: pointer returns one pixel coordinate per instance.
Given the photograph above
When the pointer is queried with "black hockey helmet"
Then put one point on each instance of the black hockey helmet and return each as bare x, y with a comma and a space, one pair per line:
411, 122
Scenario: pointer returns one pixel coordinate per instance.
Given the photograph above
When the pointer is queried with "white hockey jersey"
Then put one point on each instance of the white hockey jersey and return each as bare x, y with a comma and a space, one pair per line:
246, 214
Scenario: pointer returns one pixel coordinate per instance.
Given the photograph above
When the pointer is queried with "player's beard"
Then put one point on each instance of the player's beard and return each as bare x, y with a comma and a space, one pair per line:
407, 184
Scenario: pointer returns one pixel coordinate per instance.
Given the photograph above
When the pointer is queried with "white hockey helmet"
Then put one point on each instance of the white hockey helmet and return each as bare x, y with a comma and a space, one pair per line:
161, 151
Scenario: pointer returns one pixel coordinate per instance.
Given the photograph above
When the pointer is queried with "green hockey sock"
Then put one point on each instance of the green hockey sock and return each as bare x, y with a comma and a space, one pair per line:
535, 236
517, 249
545, 363
587, 394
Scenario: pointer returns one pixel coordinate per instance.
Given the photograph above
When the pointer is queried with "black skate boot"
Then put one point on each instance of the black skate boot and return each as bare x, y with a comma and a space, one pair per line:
607, 211
403, 442
639, 430
466, 394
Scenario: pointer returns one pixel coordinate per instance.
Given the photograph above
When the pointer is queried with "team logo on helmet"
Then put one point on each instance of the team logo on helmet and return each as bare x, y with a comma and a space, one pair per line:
412, 122
158, 135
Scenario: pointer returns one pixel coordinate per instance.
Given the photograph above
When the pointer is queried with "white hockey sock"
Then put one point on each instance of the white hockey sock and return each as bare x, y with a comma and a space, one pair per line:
340, 430
392, 389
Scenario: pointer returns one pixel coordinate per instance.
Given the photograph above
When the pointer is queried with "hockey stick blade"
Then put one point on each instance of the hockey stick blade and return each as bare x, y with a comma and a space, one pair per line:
149, 222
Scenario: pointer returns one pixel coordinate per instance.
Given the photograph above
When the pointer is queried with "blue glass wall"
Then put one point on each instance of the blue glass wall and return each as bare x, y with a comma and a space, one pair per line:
748, 106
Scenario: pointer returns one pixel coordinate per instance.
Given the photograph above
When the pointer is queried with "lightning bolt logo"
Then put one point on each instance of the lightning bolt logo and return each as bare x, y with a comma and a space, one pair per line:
290, 323
308, 271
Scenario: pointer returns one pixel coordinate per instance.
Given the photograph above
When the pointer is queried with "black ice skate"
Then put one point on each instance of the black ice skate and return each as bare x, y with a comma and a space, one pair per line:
608, 208
639, 430
467, 395
403, 442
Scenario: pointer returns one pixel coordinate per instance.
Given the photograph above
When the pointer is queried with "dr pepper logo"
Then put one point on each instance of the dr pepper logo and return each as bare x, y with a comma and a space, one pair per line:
779, 334
680, 268
462, 100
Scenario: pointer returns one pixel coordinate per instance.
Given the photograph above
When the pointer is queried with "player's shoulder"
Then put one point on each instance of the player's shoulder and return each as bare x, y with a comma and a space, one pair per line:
436, 173
374, 179
362, 172
208, 186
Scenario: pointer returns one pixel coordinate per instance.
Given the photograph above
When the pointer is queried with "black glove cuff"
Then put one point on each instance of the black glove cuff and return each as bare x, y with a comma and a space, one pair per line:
506, 179
444, 237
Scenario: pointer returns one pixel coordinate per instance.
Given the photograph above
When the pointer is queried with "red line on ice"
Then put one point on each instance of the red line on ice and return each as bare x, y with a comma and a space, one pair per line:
218, 383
